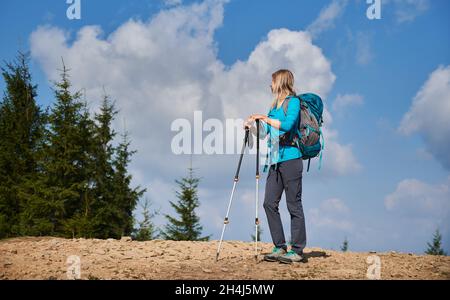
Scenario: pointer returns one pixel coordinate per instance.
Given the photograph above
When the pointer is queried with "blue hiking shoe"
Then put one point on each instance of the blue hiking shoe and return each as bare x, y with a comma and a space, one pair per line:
291, 257
275, 255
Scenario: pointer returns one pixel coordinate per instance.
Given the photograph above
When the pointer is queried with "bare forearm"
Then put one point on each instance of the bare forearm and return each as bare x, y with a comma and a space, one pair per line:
272, 122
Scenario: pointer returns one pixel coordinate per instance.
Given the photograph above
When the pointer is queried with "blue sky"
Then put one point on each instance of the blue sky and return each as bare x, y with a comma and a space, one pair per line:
385, 183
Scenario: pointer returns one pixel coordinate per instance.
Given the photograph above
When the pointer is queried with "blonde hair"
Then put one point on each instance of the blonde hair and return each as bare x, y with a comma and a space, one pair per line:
283, 85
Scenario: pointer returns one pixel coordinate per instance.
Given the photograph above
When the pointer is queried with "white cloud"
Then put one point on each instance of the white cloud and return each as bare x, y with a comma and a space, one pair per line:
160, 192
244, 85
337, 159
429, 115
334, 205
424, 154
408, 10
343, 101
420, 200
327, 17
157, 70
356, 46
173, 2
331, 214
364, 54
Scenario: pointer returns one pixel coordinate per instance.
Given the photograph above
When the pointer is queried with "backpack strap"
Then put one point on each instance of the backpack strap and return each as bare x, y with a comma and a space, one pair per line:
266, 164
286, 102
321, 150
285, 105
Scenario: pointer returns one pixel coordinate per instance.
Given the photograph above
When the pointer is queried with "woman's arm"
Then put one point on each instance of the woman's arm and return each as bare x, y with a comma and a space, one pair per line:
291, 115
288, 123
263, 127
271, 122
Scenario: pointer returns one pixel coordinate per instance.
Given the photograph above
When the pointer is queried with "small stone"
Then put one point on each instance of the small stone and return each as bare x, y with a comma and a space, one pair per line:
126, 239
100, 251
207, 270
224, 270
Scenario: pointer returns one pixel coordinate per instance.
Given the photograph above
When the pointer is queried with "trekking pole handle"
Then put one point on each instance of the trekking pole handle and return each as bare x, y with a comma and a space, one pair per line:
236, 176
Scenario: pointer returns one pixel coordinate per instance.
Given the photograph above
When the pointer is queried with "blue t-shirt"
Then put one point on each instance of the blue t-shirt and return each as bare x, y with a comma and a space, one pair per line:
288, 122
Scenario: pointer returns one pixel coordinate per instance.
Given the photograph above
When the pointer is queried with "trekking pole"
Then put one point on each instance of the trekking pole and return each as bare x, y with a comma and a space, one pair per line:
257, 189
236, 179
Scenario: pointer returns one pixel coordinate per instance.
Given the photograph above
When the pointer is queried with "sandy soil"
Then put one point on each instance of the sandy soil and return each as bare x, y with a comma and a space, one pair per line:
50, 258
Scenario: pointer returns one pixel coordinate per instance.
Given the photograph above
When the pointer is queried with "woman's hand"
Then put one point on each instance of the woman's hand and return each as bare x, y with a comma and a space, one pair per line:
271, 122
248, 123
259, 117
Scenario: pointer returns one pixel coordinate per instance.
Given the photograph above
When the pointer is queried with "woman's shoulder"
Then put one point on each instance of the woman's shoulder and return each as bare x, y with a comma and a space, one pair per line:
293, 102
294, 98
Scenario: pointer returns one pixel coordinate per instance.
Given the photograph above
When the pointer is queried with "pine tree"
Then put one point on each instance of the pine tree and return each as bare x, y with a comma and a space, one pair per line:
435, 248
59, 172
103, 173
147, 230
187, 227
58, 201
78, 222
126, 198
22, 126
259, 232
344, 247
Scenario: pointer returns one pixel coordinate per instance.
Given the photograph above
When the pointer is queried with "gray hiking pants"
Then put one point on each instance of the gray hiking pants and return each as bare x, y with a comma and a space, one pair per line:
286, 176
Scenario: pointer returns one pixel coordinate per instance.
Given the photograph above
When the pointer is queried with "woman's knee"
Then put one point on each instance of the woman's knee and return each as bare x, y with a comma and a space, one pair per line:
270, 204
295, 207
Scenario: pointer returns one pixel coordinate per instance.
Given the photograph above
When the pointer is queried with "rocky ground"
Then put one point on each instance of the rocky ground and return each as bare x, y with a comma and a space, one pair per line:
55, 258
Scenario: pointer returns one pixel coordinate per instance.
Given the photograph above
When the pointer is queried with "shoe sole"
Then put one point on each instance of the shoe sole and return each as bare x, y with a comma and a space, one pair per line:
271, 259
291, 262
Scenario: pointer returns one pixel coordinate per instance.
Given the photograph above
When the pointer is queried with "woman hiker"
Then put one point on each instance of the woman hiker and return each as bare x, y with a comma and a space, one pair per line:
286, 167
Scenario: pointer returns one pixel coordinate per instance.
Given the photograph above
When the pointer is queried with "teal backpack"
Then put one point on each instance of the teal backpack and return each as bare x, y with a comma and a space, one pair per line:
308, 135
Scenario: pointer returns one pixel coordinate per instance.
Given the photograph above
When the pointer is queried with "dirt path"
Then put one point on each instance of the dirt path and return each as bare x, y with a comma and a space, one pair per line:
48, 258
